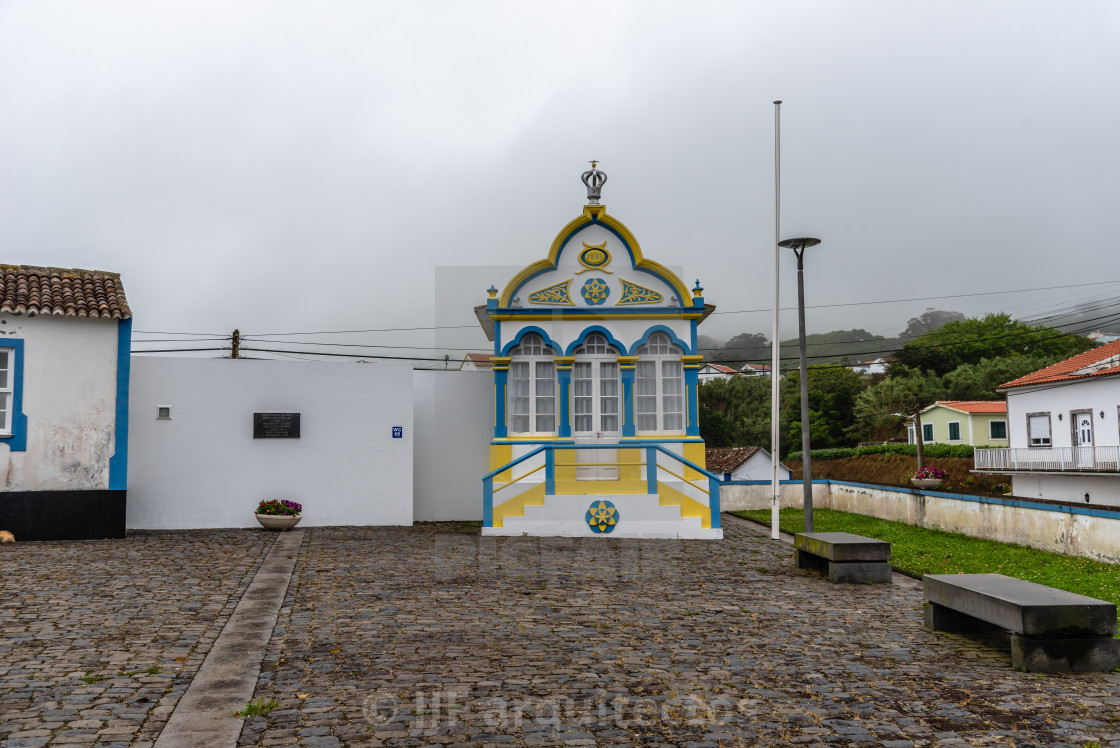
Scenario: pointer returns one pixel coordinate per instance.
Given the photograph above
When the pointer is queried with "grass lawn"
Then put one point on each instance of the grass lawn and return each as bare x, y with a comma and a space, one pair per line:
919, 551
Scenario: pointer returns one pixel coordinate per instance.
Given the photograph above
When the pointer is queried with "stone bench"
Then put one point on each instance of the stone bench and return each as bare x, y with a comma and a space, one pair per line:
1052, 631
844, 557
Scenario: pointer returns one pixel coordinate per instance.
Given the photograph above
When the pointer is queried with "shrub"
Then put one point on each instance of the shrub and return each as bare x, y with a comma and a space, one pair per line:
910, 450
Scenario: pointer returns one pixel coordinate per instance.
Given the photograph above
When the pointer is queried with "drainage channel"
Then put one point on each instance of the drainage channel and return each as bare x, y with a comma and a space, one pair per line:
228, 676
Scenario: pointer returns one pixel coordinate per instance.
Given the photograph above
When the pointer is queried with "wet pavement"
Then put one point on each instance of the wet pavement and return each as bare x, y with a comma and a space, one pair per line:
433, 636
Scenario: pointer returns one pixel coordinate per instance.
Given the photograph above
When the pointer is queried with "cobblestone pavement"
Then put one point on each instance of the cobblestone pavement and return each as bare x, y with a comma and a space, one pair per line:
421, 636
99, 639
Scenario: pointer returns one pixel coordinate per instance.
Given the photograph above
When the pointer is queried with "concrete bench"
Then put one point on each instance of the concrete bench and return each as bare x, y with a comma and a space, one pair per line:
844, 557
1052, 631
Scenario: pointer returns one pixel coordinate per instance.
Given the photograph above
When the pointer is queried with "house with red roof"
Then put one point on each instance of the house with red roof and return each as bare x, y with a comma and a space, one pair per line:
65, 340
755, 370
711, 371
1064, 430
978, 423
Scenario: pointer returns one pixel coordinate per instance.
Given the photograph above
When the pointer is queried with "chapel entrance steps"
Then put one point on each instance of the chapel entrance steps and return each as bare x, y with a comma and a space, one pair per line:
670, 513
662, 495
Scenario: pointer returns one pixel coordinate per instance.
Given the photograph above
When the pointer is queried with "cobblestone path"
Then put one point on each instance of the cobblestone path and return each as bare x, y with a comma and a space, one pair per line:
99, 639
417, 636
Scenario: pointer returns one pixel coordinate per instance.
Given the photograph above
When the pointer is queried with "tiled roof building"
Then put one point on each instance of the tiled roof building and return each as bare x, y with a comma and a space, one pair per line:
69, 292
1101, 361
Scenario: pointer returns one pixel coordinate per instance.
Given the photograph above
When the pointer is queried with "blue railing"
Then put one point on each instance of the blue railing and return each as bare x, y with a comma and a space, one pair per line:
651, 467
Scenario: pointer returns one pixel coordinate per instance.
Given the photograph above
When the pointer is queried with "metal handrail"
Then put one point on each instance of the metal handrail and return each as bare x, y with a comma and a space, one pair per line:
525, 475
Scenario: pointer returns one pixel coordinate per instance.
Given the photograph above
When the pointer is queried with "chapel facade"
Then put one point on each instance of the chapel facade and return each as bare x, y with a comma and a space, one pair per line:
596, 418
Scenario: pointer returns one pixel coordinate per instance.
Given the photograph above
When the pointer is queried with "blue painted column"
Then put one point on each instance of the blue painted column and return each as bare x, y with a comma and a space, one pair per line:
501, 372
564, 393
550, 471
691, 366
627, 366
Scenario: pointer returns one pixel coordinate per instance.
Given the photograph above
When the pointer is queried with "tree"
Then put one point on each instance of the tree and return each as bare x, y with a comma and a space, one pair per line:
928, 321
832, 398
972, 340
905, 393
978, 381
748, 347
744, 404
715, 429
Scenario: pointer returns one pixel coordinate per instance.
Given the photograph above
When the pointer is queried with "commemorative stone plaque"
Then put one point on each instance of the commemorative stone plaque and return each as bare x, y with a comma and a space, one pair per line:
276, 425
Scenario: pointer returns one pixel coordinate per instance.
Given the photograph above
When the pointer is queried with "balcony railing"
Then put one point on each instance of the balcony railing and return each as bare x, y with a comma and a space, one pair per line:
1057, 459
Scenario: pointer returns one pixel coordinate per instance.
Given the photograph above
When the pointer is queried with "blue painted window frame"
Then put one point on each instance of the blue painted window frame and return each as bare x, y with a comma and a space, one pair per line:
17, 440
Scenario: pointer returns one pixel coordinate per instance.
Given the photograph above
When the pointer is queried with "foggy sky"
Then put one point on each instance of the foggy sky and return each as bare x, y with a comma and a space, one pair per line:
307, 166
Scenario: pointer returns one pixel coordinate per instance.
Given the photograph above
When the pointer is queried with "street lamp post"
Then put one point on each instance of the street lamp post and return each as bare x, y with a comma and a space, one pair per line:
798, 246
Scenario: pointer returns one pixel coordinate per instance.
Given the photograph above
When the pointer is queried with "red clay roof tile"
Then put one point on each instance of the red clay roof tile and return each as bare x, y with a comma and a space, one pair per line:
26, 289
1069, 369
727, 459
975, 406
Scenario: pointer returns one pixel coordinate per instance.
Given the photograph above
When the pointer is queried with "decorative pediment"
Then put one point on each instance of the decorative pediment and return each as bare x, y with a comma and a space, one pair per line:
596, 247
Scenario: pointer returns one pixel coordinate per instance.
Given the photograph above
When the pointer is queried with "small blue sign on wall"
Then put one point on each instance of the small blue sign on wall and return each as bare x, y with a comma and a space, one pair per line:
398, 432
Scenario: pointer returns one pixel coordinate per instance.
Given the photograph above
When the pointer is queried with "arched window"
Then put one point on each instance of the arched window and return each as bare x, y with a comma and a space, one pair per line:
595, 387
532, 388
659, 386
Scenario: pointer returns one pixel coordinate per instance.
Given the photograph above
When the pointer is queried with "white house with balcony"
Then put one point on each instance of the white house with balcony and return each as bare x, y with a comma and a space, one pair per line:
1064, 428
595, 429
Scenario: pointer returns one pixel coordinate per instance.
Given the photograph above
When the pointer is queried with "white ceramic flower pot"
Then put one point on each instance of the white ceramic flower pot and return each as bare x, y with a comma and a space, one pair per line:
279, 521
925, 482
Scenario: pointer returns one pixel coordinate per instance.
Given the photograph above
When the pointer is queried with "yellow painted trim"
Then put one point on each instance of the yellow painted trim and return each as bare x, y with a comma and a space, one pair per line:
592, 214
669, 496
548, 438
501, 454
695, 452
630, 465
564, 362
515, 507
559, 314
585, 487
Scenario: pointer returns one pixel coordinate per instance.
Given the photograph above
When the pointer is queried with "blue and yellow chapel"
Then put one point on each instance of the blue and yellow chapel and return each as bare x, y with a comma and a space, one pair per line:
596, 419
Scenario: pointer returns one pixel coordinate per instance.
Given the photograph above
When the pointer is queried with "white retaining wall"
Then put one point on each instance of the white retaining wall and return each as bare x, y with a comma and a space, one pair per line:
1093, 532
203, 468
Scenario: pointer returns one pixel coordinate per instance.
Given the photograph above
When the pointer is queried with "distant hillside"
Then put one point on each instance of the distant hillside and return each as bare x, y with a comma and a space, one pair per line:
838, 346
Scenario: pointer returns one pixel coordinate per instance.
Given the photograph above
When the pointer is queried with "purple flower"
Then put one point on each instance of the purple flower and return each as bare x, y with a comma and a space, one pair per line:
279, 507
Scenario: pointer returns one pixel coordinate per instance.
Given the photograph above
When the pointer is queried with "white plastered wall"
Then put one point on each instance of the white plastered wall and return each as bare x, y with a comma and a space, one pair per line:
203, 468
454, 421
70, 400
1062, 397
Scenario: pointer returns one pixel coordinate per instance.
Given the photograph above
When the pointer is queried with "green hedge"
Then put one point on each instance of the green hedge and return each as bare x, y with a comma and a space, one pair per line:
910, 450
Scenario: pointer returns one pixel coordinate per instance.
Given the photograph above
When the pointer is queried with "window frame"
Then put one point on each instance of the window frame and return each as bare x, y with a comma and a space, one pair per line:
595, 351
932, 436
533, 351
993, 437
660, 350
1049, 425
949, 434
7, 391
16, 434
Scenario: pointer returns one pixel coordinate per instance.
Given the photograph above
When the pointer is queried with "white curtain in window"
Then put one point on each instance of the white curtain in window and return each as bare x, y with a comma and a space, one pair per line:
1040, 430
645, 396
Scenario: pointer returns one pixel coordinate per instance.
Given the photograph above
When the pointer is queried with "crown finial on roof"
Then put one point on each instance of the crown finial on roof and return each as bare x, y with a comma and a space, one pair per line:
594, 181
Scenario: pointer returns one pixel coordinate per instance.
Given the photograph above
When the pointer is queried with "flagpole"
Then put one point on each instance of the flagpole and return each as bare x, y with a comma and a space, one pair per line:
775, 342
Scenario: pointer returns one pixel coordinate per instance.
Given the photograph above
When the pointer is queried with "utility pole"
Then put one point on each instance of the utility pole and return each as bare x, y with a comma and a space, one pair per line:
236, 344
